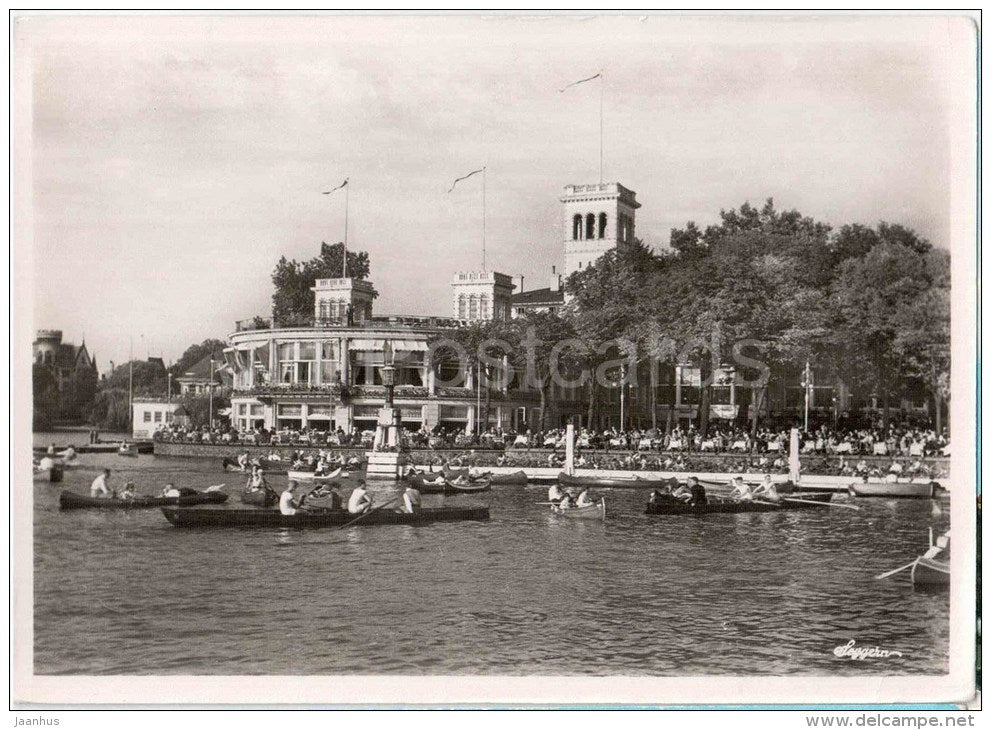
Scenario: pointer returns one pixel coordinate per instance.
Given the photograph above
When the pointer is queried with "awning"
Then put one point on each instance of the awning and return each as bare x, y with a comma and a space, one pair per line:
410, 345
366, 345
318, 417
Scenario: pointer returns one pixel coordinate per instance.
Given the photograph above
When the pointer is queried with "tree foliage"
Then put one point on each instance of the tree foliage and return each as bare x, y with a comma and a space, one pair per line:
292, 299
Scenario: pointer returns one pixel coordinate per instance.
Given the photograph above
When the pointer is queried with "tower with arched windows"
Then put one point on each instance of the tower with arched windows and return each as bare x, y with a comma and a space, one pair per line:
597, 218
482, 295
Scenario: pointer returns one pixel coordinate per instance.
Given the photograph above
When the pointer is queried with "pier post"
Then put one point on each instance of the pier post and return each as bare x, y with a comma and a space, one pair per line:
569, 449
794, 467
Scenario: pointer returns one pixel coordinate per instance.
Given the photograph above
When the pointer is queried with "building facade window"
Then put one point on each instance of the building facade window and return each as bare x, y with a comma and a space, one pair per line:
590, 226
602, 225
462, 307
576, 227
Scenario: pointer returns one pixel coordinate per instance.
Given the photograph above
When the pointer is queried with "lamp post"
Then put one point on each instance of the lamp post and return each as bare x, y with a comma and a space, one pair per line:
807, 384
169, 400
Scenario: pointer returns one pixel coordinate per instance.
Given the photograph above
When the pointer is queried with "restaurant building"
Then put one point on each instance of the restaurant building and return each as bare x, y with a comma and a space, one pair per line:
330, 373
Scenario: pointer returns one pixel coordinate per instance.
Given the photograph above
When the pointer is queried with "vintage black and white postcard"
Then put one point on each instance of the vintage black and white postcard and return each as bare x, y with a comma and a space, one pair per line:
494, 359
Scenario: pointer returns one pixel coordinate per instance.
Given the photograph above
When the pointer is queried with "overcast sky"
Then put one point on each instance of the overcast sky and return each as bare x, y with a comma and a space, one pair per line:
175, 160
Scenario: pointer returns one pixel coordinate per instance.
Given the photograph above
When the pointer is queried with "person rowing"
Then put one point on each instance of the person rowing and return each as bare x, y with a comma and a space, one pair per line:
567, 501
242, 461
766, 491
99, 486
128, 492
741, 492
359, 501
584, 499
287, 500
171, 491
412, 501
555, 493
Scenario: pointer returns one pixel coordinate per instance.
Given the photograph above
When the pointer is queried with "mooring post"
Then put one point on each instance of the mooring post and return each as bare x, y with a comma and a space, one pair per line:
794, 467
569, 449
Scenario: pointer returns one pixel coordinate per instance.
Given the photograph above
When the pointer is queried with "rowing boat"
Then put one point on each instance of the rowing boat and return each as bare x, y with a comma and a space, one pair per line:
71, 500
715, 505
53, 474
517, 477
569, 480
592, 512
930, 572
205, 517
468, 487
311, 476
127, 450
259, 497
895, 490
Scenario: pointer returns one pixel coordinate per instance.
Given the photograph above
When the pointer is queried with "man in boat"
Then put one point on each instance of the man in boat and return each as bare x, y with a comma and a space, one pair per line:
171, 491
412, 501
741, 492
242, 461
696, 492
584, 499
766, 491
46, 463
99, 486
287, 500
69, 454
567, 501
128, 492
555, 493
359, 501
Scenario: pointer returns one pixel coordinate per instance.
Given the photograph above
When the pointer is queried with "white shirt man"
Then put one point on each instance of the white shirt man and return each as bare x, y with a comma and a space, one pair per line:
286, 504
584, 500
46, 463
99, 485
555, 493
359, 501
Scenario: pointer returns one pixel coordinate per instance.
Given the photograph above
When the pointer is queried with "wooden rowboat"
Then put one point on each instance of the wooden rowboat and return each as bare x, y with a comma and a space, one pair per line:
931, 572
71, 500
473, 487
568, 480
592, 512
715, 505
310, 476
895, 490
259, 497
517, 477
230, 518
48, 475
127, 450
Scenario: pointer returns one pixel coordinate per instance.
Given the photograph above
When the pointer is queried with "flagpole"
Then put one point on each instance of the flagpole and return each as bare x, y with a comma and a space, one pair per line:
347, 194
602, 86
483, 219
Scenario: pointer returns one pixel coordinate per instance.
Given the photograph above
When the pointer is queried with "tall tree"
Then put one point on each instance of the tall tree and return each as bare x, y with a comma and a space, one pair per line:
292, 300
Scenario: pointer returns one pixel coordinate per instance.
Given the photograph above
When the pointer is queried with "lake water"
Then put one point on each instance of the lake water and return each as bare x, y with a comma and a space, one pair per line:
525, 593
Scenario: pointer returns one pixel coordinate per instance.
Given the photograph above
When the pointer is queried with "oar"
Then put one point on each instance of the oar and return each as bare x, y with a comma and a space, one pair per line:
374, 509
892, 572
821, 504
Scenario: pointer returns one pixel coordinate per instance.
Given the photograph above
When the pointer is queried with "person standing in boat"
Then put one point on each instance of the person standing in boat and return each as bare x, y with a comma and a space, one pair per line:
359, 501
99, 487
412, 500
287, 501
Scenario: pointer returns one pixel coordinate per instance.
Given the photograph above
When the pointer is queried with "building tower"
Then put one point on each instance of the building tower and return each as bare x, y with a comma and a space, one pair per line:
597, 218
342, 301
482, 295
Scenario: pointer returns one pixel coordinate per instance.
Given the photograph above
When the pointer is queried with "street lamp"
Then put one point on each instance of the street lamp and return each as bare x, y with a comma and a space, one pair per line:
170, 388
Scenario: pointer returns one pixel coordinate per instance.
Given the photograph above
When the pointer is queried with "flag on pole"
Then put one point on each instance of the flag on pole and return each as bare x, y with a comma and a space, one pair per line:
465, 177
328, 192
575, 83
